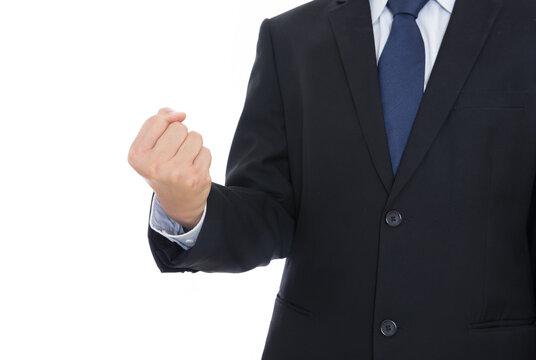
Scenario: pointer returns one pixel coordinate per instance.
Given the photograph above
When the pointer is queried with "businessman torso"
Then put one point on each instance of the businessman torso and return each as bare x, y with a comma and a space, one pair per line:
435, 263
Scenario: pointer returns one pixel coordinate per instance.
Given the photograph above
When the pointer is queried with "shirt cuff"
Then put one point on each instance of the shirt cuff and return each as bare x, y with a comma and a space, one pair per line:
160, 222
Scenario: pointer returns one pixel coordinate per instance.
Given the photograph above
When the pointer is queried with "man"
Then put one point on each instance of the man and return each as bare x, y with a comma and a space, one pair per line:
407, 217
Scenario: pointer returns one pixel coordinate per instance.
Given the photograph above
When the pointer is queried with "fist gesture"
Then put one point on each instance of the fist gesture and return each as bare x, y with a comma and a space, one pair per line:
175, 164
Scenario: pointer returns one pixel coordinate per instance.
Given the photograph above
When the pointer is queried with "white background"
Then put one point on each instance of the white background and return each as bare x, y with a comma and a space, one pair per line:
77, 81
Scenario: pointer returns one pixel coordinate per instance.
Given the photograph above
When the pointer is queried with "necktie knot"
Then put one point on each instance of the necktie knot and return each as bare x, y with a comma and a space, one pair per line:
411, 7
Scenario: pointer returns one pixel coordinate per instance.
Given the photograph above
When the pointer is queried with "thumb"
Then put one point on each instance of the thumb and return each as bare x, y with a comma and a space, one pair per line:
171, 115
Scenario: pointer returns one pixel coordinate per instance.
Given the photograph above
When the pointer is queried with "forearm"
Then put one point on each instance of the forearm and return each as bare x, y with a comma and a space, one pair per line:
242, 229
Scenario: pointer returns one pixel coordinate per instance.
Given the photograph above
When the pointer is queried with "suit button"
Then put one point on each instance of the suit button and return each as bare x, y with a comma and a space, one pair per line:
393, 218
388, 327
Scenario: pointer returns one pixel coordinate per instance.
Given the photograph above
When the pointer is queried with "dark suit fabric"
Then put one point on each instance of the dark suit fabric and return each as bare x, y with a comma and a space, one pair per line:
309, 179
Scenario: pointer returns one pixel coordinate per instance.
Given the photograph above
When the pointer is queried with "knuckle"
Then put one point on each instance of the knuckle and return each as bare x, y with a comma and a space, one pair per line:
155, 170
205, 179
134, 156
164, 110
195, 136
198, 179
171, 128
176, 175
131, 157
152, 119
193, 183
152, 171
179, 128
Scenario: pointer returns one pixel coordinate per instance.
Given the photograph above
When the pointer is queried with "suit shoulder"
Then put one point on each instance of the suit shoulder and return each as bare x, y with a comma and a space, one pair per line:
303, 13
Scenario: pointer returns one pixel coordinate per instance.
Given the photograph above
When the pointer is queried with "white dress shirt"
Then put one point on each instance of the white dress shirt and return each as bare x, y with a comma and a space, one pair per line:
432, 22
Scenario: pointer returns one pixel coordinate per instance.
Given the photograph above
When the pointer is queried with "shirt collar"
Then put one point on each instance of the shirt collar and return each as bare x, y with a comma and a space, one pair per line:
447, 4
377, 6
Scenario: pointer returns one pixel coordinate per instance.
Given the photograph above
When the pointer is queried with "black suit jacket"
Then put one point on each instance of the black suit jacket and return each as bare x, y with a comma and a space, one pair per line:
309, 178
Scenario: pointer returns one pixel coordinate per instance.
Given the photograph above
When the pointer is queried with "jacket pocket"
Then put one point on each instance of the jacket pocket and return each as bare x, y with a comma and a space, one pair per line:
292, 306
506, 324
491, 99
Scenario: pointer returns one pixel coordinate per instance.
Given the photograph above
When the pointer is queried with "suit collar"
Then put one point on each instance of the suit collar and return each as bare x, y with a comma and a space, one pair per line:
468, 28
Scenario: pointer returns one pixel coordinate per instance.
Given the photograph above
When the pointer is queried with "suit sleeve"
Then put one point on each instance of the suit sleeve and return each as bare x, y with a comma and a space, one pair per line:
251, 219
532, 234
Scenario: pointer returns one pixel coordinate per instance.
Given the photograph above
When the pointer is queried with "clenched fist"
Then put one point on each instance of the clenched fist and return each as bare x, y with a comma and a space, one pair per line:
175, 164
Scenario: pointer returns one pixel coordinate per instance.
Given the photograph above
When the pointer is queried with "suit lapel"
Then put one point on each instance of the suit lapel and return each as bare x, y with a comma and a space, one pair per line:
352, 26
468, 28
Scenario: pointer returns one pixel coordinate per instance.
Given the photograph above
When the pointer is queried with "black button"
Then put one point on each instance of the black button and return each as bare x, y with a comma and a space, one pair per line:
393, 218
388, 327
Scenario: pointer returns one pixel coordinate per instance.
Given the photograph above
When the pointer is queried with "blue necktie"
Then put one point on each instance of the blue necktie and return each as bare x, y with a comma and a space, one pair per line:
401, 75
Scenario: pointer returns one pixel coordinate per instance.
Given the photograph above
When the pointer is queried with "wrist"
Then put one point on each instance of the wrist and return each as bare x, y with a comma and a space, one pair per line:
189, 222
188, 217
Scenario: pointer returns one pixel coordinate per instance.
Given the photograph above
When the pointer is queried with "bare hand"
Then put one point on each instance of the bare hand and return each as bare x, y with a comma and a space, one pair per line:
175, 164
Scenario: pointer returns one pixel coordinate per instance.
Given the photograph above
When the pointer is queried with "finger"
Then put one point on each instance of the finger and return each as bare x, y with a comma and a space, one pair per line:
171, 140
203, 159
189, 148
165, 111
154, 127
